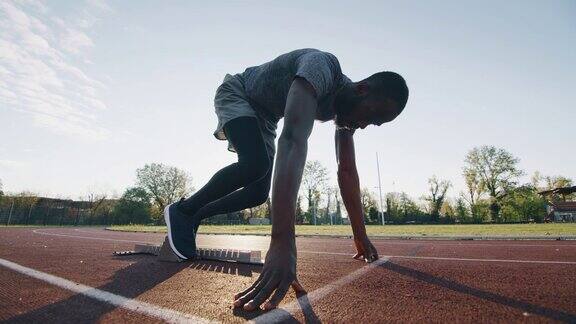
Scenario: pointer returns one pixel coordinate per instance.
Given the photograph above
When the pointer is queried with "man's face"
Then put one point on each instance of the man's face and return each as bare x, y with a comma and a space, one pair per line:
358, 110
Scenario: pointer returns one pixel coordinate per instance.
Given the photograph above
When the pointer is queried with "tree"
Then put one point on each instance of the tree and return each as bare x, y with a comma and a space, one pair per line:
553, 182
400, 208
329, 191
523, 204
260, 211
133, 207
545, 183
369, 204
438, 189
269, 209
496, 171
461, 212
338, 212
164, 184
95, 196
314, 181
299, 212
410, 209
475, 189
26, 201
536, 180
393, 208
448, 211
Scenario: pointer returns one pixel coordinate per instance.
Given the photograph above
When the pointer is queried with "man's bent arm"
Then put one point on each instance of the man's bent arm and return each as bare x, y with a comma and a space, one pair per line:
348, 180
299, 117
279, 271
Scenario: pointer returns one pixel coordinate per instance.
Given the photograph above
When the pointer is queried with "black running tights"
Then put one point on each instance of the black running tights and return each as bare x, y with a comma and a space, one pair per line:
240, 185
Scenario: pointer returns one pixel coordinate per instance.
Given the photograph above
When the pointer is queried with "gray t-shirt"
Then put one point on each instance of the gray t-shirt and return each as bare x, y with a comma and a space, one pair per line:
267, 85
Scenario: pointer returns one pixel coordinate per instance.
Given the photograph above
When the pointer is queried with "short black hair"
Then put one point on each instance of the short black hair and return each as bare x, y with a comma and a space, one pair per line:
389, 85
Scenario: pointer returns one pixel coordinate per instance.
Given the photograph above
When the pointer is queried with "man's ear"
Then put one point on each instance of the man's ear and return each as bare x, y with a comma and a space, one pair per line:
361, 88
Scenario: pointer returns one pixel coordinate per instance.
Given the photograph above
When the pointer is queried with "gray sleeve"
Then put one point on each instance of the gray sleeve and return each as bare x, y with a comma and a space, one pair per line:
318, 69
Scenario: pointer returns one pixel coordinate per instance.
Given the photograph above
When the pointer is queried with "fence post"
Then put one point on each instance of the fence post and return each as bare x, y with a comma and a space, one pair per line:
61, 216
29, 213
77, 216
10, 215
47, 214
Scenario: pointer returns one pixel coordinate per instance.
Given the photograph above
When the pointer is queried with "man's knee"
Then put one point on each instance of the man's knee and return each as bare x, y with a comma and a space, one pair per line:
255, 168
260, 197
259, 191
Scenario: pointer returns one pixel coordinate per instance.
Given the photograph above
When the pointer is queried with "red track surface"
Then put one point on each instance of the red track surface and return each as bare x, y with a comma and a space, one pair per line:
416, 281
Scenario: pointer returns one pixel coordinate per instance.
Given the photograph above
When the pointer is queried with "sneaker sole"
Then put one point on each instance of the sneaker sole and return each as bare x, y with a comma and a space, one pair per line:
167, 220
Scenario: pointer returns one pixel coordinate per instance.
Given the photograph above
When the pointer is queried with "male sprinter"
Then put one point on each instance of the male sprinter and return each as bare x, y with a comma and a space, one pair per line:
301, 86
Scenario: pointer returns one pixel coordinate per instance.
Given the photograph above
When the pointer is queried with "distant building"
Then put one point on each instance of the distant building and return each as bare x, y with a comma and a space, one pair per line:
558, 209
561, 211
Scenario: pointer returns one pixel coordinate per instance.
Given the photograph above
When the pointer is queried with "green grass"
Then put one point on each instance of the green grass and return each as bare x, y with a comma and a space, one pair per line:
559, 229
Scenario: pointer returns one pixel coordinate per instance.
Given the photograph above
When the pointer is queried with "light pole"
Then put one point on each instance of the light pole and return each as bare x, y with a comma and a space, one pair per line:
10, 215
314, 210
380, 189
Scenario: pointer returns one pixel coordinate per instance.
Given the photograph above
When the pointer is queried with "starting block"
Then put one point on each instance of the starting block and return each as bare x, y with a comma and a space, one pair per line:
165, 253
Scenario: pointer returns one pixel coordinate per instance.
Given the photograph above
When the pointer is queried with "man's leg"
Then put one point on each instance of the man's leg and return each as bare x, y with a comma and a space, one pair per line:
252, 195
253, 164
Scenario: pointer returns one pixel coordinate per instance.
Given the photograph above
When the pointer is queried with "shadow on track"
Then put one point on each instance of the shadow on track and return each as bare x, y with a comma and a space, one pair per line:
225, 267
135, 279
486, 295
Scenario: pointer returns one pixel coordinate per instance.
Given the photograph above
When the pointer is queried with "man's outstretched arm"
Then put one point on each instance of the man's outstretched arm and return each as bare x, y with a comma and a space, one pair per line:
349, 184
279, 270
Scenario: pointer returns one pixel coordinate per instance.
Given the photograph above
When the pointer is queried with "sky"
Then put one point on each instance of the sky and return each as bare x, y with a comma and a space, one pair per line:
92, 90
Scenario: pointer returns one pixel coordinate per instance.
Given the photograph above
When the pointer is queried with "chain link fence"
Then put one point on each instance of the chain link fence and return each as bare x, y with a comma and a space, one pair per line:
47, 211
19, 210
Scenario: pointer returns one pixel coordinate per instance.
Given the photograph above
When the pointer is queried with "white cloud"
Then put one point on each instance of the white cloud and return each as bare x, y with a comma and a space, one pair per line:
10, 163
75, 41
38, 73
100, 5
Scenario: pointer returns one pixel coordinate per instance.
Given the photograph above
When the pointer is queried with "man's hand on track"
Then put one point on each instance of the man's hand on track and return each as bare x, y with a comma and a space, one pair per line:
278, 274
365, 250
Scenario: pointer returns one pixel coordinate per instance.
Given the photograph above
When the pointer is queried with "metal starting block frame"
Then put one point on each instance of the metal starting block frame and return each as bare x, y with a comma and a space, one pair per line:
226, 255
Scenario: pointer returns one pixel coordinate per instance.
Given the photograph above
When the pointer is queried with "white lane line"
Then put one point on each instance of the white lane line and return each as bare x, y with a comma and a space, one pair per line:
88, 237
342, 253
166, 314
285, 312
378, 241
87, 231
479, 260
450, 259
109, 239
382, 241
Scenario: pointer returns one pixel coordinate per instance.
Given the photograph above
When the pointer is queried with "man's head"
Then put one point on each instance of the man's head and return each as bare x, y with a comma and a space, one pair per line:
372, 101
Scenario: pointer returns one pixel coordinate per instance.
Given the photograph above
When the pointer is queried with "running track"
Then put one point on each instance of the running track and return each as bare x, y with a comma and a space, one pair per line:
69, 275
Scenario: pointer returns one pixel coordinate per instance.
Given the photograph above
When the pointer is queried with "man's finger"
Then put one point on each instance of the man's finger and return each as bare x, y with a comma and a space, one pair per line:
278, 295
358, 256
298, 288
245, 291
242, 300
375, 253
371, 258
262, 295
